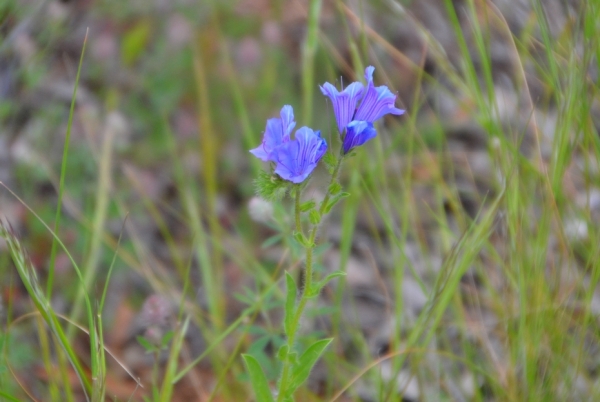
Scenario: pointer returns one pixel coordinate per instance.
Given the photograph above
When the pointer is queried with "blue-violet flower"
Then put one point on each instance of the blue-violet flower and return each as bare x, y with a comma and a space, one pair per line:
297, 158
277, 132
344, 103
357, 122
378, 101
357, 133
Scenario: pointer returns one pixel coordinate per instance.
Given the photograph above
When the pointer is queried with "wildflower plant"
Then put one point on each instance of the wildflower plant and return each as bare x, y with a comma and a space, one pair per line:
293, 160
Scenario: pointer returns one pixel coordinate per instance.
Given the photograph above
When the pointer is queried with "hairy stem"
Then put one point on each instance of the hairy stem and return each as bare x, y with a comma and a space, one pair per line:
297, 210
308, 276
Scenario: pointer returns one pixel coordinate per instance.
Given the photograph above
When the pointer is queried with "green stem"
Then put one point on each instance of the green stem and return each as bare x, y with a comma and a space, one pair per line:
334, 177
63, 172
297, 210
294, 329
308, 276
308, 58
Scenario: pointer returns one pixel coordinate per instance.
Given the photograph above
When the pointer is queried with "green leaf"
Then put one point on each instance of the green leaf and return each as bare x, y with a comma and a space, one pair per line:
307, 205
258, 380
258, 346
300, 238
290, 303
315, 289
166, 339
29, 278
314, 217
272, 241
8, 397
146, 344
292, 358
270, 186
135, 42
282, 353
330, 161
334, 200
335, 188
305, 364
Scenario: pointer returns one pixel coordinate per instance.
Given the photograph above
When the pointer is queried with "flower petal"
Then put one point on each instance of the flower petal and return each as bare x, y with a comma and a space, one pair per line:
260, 153
344, 103
357, 133
287, 120
377, 102
297, 158
276, 133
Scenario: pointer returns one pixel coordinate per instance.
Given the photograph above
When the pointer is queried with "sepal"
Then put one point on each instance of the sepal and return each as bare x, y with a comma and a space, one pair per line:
271, 187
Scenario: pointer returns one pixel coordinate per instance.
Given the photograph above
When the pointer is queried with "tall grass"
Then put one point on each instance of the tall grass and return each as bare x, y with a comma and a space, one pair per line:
510, 284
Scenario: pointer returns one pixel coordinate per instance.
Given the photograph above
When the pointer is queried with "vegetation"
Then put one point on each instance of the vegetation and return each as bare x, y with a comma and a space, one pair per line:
139, 264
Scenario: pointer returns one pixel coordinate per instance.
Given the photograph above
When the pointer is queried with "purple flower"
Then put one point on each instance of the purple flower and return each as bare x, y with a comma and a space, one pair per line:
277, 132
357, 133
297, 158
357, 122
344, 103
377, 101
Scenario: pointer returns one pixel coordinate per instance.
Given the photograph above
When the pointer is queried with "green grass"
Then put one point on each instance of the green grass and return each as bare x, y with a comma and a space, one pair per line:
510, 289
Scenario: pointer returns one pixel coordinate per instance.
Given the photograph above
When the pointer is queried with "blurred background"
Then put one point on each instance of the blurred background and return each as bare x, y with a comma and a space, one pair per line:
501, 122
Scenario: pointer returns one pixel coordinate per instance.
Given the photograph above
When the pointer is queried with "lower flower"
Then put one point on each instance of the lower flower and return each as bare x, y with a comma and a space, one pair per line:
296, 159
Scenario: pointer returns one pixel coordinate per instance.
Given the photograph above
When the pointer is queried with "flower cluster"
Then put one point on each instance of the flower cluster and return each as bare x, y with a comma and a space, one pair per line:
296, 158
355, 124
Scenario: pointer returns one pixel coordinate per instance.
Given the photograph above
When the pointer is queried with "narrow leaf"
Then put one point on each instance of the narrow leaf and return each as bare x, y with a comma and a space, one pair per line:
306, 206
258, 380
146, 344
9, 397
335, 188
271, 241
282, 353
166, 391
290, 302
314, 217
167, 338
334, 200
300, 238
302, 370
135, 41
28, 275
318, 286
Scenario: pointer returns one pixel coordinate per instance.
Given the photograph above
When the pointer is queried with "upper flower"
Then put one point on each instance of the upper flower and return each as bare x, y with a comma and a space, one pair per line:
376, 103
357, 133
344, 103
277, 132
295, 159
